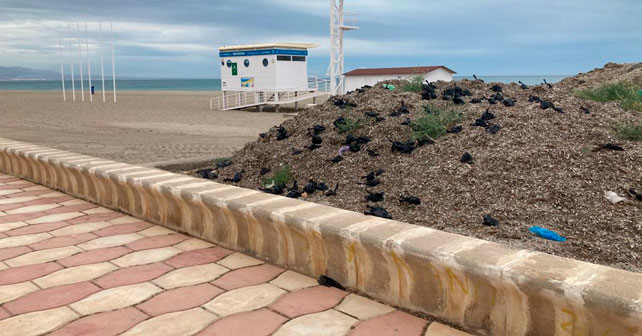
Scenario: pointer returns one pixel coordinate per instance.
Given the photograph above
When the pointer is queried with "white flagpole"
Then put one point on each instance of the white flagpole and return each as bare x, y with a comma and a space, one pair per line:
113, 60
71, 62
82, 82
102, 65
62, 69
91, 97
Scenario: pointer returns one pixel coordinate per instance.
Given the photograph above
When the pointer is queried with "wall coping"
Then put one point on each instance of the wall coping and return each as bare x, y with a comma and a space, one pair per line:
482, 286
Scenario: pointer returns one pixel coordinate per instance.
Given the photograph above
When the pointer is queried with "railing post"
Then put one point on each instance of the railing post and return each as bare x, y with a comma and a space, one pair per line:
224, 102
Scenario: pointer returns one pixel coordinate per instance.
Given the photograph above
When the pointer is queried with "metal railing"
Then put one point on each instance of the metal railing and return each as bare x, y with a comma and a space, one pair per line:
240, 99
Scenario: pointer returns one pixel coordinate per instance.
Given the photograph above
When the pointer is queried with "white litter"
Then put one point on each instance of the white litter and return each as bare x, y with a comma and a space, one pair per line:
613, 197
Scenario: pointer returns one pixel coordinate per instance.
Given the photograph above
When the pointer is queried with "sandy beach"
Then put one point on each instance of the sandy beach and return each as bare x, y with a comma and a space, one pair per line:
143, 127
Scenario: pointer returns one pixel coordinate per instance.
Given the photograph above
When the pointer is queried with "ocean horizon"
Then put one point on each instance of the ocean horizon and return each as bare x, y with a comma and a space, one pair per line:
209, 84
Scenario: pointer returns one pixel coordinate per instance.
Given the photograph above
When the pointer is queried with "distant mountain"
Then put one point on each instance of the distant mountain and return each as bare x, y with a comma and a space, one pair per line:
17, 72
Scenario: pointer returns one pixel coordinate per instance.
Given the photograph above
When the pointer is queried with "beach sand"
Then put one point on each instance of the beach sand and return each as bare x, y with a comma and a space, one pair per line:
143, 127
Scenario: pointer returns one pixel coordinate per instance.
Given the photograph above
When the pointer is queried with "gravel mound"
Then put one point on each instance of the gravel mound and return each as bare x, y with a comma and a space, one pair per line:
520, 157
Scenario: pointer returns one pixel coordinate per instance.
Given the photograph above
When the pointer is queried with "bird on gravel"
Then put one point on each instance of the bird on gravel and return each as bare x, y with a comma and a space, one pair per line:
466, 158
522, 85
550, 86
377, 212
374, 197
413, 200
332, 192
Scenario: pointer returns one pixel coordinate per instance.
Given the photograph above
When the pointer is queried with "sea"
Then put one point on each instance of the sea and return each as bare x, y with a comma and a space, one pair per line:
208, 84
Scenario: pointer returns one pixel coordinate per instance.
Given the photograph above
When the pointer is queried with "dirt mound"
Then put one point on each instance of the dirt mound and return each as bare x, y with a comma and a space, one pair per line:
520, 157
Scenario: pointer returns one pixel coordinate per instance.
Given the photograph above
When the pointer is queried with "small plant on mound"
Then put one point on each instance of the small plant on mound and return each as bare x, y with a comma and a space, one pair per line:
624, 93
281, 177
349, 125
434, 123
414, 84
631, 132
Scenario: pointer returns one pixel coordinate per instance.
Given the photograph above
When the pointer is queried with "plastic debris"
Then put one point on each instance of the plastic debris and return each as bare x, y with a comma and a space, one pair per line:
488, 220
343, 149
389, 87
546, 234
613, 197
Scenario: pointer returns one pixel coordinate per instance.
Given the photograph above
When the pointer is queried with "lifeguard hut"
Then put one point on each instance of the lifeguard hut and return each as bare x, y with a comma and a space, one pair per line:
266, 74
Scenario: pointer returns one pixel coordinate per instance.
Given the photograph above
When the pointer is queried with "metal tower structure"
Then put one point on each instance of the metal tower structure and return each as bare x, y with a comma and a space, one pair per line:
339, 23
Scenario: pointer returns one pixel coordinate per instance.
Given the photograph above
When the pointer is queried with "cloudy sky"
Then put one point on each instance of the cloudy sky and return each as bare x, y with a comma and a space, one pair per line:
487, 37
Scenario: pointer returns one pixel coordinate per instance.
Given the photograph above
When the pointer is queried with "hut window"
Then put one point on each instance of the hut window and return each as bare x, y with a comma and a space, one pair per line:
246, 62
298, 58
283, 58
229, 63
265, 62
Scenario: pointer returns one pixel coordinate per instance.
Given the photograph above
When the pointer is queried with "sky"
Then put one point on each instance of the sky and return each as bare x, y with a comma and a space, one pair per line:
179, 39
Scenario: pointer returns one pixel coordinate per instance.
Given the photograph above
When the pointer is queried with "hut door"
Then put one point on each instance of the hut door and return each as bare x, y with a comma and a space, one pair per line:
234, 69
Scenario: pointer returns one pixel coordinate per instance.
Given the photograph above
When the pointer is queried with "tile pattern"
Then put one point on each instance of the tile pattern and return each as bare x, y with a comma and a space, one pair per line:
71, 268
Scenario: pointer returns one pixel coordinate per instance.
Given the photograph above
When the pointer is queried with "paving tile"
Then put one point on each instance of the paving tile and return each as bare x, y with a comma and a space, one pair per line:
12, 200
238, 260
327, 323
244, 299
248, 276
6, 192
118, 229
80, 228
193, 244
32, 208
10, 226
3, 314
26, 193
23, 240
14, 291
146, 256
71, 208
438, 329
5, 207
186, 322
179, 299
191, 275
115, 298
26, 273
102, 217
124, 220
37, 323
103, 324
156, 231
55, 218
43, 256
74, 202
75, 274
63, 241
198, 257
309, 300
156, 242
3, 266
94, 256
260, 322
133, 275
51, 298
392, 324
363, 308
98, 210
110, 241
37, 228
292, 281
8, 253
20, 217
37, 188
47, 199
55, 194
20, 184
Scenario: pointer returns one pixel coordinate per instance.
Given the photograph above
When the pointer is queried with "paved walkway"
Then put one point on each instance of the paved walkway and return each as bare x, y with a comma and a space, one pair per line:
69, 267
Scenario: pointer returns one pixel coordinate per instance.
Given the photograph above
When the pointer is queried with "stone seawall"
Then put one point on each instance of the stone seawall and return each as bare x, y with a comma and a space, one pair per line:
484, 287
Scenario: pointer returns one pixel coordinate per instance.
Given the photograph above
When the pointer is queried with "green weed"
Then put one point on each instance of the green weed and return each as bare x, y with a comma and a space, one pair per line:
281, 177
434, 123
625, 93
414, 84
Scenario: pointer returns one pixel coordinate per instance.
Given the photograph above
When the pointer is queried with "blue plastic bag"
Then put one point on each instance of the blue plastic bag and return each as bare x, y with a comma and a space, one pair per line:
546, 234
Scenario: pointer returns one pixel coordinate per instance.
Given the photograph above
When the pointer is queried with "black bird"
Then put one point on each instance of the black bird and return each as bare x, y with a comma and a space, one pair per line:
496, 88
362, 140
466, 158
492, 101
635, 194
321, 186
492, 129
336, 159
458, 101
508, 102
405, 122
281, 133
236, 178
585, 109
455, 129
550, 86
545, 104
374, 197
313, 146
294, 192
327, 281
317, 129
377, 212
223, 163
371, 179
414, 200
609, 146
332, 192
523, 86
296, 151
207, 173
487, 115
310, 187
265, 171
372, 114
316, 139
475, 101
275, 189
355, 147
474, 76
532, 99
488, 220
403, 147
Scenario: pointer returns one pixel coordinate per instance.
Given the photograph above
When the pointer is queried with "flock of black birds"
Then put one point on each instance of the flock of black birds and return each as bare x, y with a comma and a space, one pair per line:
351, 143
